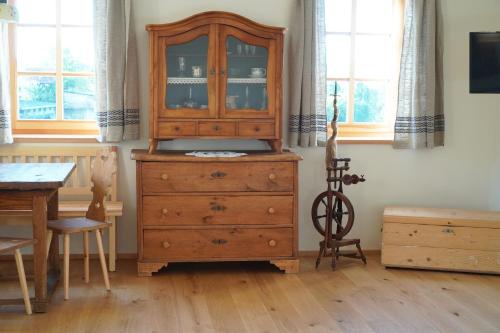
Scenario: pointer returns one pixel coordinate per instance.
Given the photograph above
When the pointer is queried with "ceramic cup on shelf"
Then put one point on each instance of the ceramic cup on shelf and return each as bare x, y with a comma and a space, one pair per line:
196, 71
258, 72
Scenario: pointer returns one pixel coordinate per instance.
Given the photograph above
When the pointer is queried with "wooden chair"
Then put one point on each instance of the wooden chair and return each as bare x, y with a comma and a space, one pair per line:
14, 244
95, 219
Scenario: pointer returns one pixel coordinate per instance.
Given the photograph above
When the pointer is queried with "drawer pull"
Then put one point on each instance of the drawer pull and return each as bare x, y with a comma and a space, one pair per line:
219, 241
448, 231
216, 127
272, 176
218, 208
257, 129
272, 243
219, 174
271, 210
165, 244
177, 128
164, 176
164, 211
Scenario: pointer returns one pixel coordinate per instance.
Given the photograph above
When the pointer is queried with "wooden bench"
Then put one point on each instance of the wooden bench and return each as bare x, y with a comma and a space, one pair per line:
75, 196
441, 239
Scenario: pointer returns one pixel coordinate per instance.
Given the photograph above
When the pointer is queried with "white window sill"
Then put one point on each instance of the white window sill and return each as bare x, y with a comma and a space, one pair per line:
54, 138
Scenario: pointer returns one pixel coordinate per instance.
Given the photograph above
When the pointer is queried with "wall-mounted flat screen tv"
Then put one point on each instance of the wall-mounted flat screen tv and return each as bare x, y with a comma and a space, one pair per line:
484, 62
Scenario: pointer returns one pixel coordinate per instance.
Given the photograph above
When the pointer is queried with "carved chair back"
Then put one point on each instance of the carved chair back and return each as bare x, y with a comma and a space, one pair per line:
102, 179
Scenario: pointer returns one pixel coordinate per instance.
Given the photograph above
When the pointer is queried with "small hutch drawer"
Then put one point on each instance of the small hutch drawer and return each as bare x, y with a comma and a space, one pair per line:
216, 128
252, 129
178, 128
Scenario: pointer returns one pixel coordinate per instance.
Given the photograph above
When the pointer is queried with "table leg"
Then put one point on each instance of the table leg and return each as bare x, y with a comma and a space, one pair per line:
40, 251
53, 214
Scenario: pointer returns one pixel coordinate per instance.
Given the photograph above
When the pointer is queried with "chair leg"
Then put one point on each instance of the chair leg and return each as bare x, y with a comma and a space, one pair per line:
22, 280
102, 259
112, 244
66, 266
49, 240
86, 257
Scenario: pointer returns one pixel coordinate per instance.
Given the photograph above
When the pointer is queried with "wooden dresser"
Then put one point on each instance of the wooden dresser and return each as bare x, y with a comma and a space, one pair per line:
216, 209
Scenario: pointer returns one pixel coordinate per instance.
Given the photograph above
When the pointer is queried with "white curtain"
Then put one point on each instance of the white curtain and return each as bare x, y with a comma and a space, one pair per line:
116, 71
5, 123
420, 117
307, 95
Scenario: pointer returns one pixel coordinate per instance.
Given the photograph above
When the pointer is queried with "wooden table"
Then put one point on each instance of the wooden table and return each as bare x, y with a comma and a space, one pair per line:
34, 187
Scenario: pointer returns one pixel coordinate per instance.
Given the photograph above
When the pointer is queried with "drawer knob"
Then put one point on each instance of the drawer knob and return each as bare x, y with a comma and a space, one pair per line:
216, 127
272, 176
257, 129
164, 176
272, 243
271, 210
219, 241
165, 244
164, 211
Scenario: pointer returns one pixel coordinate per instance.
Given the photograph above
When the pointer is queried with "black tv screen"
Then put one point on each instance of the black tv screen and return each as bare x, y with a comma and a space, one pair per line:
484, 62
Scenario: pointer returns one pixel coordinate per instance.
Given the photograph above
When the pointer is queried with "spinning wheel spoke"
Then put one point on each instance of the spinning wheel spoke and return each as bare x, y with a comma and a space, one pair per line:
324, 203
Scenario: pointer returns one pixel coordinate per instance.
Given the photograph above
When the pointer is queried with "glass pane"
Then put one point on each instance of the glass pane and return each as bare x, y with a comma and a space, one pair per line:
78, 49
36, 11
372, 57
37, 97
187, 75
79, 98
342, 98
369, 101
338, 56
76, 12
247, 75
36, 49
374, 16
338, 15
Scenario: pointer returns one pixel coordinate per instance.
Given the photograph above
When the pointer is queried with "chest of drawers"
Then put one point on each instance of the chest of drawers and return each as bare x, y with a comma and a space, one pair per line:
216, 209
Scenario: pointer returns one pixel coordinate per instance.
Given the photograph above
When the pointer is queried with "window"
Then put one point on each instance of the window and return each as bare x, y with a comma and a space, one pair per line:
52, 67
363, 41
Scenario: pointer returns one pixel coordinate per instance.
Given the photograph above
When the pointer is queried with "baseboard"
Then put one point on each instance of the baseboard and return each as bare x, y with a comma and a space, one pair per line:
29, 257
129, 256
310, 253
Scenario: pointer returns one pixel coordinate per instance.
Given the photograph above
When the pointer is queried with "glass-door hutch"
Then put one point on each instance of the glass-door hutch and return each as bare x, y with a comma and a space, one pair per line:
215, 75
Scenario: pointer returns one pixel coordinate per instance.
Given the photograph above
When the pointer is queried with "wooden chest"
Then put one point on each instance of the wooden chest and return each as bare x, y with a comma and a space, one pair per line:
216, 209
441, 239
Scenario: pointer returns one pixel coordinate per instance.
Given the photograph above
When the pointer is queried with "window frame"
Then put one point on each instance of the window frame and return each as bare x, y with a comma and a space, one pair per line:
46, 126
351, 131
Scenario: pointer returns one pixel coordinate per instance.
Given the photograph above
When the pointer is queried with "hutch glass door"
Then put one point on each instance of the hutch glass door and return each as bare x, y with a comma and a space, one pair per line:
247, 75
189, 75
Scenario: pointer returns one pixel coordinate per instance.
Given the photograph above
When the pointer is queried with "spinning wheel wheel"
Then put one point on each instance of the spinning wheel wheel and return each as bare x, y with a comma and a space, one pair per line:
342, 214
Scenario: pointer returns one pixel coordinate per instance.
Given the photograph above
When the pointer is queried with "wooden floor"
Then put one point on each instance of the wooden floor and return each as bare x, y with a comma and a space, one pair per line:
256, 297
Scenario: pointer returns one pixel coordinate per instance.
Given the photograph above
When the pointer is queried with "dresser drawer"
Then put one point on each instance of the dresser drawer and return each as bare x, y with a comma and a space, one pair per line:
218, 243
217, 210
256, 129
176, 128
216, 128
158, 177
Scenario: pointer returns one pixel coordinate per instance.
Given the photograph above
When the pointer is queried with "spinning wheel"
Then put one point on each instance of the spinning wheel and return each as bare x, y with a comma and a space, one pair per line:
332, 214
342, 214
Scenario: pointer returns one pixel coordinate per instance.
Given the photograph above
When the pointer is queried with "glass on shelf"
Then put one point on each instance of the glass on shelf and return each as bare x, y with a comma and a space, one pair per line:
187, 84
247, 75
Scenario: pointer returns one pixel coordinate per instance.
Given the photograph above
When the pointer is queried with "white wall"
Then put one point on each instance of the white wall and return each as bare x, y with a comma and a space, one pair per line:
465, 173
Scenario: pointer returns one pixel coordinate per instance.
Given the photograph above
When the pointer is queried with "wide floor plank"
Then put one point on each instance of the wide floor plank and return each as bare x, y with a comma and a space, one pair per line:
257, 297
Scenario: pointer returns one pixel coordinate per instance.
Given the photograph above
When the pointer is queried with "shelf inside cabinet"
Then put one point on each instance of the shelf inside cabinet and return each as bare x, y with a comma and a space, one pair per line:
247, 80
187, 80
